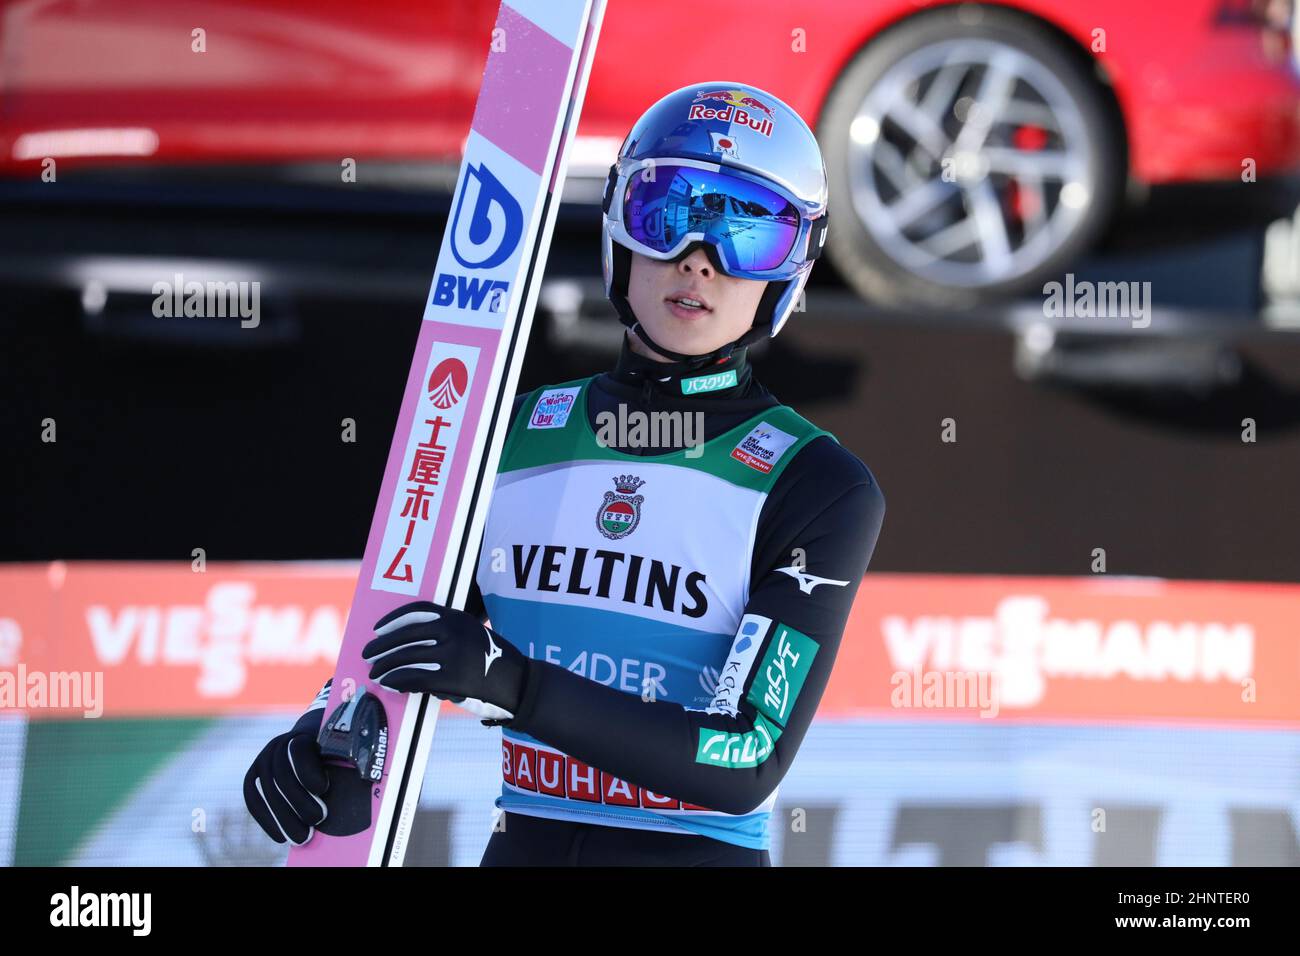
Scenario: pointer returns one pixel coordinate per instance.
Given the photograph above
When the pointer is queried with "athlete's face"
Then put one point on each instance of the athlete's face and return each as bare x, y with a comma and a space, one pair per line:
654, 289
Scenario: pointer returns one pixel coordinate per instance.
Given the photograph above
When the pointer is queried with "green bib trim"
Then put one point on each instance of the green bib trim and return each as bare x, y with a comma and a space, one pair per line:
723, 456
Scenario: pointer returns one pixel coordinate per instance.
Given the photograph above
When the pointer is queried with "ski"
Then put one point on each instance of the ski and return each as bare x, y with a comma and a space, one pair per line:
437, 484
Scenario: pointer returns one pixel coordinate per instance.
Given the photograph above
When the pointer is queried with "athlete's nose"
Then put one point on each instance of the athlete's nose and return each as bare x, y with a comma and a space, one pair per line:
697, 262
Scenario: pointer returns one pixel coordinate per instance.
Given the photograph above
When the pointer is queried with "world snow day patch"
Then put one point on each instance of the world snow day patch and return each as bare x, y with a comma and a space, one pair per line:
554, 407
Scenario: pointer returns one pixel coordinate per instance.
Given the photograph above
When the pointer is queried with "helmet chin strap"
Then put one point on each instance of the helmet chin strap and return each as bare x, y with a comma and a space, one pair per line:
681, 361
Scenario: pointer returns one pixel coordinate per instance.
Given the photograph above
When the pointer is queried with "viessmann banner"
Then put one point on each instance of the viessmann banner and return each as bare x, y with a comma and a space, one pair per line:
164, 640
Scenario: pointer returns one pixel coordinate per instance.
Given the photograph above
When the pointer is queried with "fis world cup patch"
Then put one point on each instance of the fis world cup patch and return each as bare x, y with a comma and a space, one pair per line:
553, 407
762, 447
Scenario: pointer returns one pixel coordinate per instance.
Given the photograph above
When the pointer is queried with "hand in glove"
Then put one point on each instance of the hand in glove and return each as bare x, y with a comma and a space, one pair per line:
284, 786
431, 649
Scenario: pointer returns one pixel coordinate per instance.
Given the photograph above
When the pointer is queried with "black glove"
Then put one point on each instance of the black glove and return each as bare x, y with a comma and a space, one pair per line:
431, 649
284, 786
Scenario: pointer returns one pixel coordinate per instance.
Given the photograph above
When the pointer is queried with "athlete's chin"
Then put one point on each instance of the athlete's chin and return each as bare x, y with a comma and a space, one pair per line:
690, 335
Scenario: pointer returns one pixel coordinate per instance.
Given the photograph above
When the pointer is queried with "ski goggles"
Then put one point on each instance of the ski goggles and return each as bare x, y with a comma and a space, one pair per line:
758, 229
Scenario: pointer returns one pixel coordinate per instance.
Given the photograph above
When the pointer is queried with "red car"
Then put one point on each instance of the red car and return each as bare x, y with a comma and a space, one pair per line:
974, 149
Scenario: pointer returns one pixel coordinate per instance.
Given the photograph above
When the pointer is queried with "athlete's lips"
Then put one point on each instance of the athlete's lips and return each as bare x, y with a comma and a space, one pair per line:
688, 294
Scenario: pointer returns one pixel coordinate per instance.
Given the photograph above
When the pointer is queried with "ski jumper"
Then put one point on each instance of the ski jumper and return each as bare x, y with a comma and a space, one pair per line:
681, 609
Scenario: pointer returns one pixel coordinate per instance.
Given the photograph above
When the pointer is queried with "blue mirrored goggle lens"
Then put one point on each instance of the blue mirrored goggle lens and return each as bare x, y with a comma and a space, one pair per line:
755, 228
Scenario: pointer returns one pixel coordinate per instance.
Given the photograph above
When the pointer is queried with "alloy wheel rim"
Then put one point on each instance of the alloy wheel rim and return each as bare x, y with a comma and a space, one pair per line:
968, 163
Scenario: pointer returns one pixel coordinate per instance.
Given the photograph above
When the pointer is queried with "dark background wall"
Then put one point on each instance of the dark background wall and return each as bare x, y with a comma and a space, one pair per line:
164, 448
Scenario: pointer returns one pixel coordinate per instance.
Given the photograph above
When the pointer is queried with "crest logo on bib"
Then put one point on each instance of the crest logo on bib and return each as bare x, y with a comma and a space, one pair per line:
620, 512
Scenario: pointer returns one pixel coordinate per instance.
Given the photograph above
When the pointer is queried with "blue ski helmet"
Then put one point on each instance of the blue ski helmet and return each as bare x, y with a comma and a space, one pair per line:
728, 167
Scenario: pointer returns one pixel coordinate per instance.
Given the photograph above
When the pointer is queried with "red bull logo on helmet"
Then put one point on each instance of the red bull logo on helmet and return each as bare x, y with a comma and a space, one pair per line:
733, 114
735, 98
727, 96
740, 108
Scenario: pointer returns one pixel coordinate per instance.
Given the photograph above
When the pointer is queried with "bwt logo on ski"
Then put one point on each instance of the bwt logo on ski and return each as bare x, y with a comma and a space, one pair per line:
487, 235
447, 383
484, 233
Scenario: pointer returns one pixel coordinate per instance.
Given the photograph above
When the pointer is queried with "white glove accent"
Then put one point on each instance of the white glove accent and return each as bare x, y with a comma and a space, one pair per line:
322, 697
411, 617
294, 767
485, 711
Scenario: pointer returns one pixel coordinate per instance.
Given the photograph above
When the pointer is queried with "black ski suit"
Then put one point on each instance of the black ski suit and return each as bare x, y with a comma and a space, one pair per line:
827, 503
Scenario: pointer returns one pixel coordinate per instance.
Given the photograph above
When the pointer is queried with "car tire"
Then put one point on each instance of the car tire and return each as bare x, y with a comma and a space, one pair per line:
900, 278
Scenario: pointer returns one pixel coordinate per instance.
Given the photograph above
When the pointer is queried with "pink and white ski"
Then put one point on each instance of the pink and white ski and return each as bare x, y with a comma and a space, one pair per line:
438, 481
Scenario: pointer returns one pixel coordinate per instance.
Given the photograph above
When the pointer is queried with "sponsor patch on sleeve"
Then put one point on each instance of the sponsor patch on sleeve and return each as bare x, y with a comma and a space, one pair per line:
723, 749
554, 407
762, 447
781, 673
744, 648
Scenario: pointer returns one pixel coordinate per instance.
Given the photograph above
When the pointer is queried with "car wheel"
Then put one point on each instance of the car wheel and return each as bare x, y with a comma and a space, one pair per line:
972, 155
